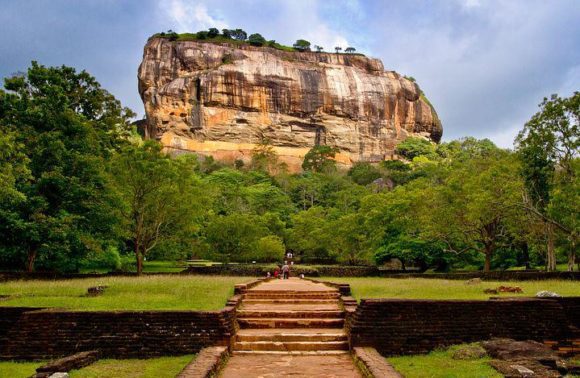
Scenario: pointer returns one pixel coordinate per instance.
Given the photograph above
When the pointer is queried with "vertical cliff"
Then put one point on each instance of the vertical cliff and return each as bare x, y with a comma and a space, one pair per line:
223, 99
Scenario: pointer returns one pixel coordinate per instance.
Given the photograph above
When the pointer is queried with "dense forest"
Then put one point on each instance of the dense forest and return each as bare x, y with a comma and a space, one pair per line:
79, 187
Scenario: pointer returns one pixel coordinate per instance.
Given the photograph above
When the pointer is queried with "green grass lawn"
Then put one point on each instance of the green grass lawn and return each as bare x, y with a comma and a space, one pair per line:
163, 367
18, 369
440, 364
124, 293
424, 288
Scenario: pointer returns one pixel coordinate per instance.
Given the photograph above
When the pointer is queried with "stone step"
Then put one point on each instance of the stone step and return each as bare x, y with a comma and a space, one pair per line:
294, 292
290, 296
291, 323
284, 346
290, 307
285, 335
243, 314
290, 301
292, 353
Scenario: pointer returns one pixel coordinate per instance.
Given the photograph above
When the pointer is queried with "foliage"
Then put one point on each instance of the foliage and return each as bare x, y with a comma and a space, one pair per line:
320, 159
412, 147
162, 198
363, 173
549, 148
256, 40
58, 128
78, 191
302, 45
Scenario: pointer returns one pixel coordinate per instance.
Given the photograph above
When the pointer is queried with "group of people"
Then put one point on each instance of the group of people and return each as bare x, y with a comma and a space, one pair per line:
283, 272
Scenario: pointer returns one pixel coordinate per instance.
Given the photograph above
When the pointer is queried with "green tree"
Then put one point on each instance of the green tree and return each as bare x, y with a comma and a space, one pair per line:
320, 159
162, 198
413, 147
227, 33
213, 32
268, 249
302, 45
349, 50
363, 173
239, 34
234, 237
549, 148
338, 49
264, 157
470, 210
256, 40
318, 48
68, 126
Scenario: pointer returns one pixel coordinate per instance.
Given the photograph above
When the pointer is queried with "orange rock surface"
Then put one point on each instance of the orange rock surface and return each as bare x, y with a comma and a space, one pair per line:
222, 100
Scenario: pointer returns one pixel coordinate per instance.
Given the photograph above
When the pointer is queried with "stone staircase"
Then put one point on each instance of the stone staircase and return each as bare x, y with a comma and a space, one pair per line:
291, 317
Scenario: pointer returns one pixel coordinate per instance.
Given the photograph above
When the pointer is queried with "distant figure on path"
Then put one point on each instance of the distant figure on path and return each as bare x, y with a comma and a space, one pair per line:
286, 271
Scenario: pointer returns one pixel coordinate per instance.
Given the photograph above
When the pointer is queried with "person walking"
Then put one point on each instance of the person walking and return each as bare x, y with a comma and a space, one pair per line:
286, 271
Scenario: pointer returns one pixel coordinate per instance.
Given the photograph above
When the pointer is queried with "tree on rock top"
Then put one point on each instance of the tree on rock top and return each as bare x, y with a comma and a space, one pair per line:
257, 40
302, 45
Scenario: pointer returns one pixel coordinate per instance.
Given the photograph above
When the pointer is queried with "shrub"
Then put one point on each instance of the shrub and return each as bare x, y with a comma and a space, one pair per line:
269, 249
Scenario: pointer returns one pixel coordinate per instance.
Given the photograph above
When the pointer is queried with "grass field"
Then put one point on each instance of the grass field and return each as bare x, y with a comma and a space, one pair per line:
124, 293
163, 367
18, 369
423, 288
440, 364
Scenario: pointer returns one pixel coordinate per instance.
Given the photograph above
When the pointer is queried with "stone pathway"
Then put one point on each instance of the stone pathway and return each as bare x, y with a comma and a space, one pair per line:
291, 328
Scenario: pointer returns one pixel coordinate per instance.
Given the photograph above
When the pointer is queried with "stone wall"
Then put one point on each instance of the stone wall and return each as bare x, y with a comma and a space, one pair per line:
49, 333
395, 326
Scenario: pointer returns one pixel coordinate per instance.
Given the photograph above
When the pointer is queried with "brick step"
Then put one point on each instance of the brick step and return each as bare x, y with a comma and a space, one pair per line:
291, 323
243, 314
292, 353
285, 335
283, 346
290, 301
292, 294
290, 307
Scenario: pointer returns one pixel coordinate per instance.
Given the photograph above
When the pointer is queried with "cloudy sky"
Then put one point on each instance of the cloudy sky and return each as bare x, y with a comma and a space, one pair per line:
485, 65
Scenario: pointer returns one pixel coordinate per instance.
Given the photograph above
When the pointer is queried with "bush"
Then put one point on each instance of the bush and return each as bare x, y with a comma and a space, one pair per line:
269, 249
108, 259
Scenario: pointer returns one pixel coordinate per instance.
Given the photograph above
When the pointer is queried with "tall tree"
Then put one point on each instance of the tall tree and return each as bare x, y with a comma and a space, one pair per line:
162, 199
470, 210
549, 150
67, 126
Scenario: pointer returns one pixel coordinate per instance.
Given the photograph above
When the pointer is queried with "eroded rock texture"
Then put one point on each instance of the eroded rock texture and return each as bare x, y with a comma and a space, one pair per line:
221, 100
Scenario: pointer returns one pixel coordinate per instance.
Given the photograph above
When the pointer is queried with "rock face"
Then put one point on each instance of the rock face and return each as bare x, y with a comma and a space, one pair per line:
223, 99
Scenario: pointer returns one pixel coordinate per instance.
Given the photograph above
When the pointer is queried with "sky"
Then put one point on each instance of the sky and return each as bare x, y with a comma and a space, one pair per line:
484, 64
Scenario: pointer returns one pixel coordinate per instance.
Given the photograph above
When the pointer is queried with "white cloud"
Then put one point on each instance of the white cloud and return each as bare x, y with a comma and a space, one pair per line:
187, 16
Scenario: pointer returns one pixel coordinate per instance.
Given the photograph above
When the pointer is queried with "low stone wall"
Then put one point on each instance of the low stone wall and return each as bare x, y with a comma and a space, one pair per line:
398, 327
49, 333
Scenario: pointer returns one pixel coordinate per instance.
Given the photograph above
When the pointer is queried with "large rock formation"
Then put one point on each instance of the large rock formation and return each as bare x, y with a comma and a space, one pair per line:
223, 99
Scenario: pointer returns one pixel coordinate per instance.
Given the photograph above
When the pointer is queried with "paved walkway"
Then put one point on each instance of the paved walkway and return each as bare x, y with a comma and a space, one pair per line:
291, 328
273, 366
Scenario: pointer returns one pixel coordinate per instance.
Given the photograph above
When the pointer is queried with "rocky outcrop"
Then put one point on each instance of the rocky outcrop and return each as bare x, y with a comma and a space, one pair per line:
223, 99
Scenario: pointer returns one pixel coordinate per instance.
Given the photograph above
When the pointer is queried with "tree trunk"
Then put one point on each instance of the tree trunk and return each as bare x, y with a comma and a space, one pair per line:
139, 263
488, 253
30, 260
139, 257
526, 255
551, 254
572, 257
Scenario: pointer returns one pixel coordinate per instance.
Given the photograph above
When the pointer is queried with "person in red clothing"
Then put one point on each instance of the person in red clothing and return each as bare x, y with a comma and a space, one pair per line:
277, 272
